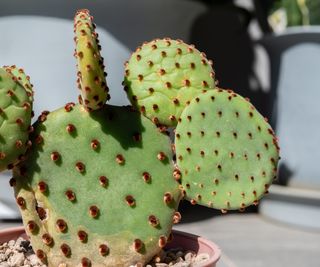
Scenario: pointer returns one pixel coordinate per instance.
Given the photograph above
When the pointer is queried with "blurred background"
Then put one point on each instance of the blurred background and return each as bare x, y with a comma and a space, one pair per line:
266, 50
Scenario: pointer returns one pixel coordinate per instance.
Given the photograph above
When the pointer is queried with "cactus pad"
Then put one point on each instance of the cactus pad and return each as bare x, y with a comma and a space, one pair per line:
97, 187
15, 119
162, 76
91, 77
226, 151
22, 78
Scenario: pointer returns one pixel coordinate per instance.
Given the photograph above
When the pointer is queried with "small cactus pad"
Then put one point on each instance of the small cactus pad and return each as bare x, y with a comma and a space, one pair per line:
226, 151
97, 187
91, 76
15, 119
22, 78
162, 76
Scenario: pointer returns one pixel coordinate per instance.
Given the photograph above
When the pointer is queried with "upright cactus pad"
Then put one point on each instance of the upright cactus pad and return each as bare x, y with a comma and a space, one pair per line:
15, 119
162, 76
91, 76
226, 151
97, 188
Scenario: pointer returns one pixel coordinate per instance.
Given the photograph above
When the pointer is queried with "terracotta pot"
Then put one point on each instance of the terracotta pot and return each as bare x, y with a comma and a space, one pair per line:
180, 239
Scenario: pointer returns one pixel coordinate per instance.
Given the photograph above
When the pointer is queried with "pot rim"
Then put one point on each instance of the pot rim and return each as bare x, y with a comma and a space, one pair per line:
214, 256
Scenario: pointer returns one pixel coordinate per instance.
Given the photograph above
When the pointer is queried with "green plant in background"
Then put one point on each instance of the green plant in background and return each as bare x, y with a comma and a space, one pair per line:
99, 186
286, 13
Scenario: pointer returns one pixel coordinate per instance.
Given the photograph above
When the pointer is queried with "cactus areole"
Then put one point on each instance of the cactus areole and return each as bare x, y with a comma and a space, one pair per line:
99, 185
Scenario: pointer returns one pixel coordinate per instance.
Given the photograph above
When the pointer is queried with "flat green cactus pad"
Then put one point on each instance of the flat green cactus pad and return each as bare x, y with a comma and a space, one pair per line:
21, 77
97, 188
226, 151
15, 119
162, 76
91, 77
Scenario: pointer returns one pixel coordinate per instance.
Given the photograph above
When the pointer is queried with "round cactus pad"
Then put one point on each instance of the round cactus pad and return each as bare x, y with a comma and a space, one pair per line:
97, 187
162, 76
91, 77
15, 119
21, 77
226, 151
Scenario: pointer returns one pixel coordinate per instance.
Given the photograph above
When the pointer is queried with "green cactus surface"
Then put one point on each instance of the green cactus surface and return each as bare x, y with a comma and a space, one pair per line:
91, 76
15, 119
162, 76
226, 151
22, 78
97, 188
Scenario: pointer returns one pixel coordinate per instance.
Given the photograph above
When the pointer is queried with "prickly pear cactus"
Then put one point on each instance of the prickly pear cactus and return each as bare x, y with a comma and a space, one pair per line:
162, 76
91, 76
226, 151
97, 188
15, 118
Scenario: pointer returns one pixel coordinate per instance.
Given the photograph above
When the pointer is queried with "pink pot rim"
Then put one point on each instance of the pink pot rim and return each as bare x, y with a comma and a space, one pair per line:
213, 250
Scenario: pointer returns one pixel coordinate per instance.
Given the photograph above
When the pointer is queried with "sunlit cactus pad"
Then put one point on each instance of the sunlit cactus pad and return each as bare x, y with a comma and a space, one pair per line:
103, 185
162, 76
91, 77
226, 151
15, 118
21, 77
